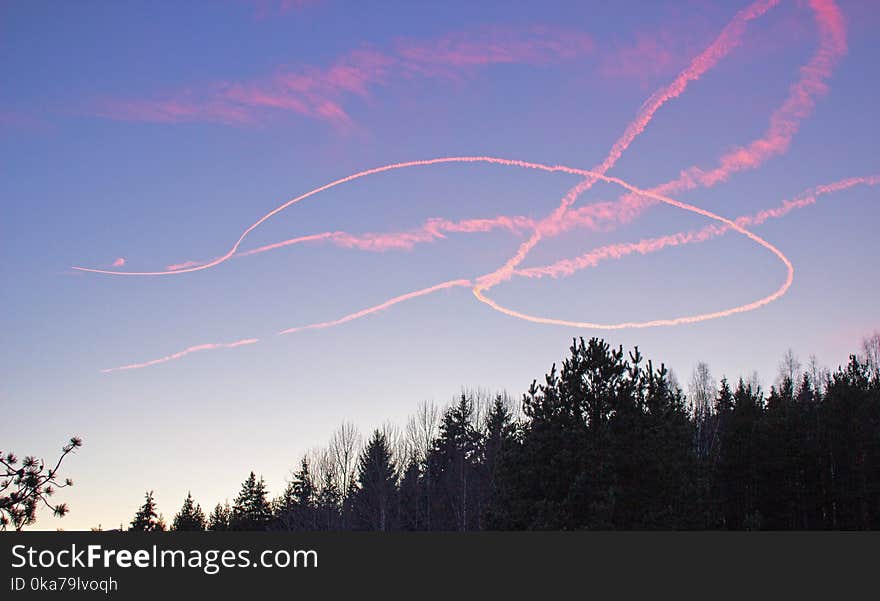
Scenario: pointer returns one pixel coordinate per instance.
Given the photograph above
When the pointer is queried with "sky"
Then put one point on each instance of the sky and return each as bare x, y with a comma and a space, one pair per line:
740, 140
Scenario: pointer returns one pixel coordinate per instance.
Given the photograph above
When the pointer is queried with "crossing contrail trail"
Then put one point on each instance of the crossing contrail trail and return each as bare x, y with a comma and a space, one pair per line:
784, 124
567, 267
723, 44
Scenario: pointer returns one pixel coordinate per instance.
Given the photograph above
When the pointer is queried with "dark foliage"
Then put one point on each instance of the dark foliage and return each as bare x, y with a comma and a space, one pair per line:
27, 485
190, 518
606, 440
146, 519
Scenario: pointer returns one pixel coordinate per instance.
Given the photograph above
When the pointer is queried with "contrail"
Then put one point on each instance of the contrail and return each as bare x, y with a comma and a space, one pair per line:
350, 178
567, 267
487, 282
726, 41
432, 229
784, 123
379, 307
723, 44
183, 353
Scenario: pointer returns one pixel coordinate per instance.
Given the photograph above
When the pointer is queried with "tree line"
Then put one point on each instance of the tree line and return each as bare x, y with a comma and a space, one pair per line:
606, 440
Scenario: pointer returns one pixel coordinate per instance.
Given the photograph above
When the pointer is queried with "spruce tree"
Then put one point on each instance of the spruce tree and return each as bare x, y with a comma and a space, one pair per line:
296, 508
284, 509
375, 498
146, 519
251, 509
454, 469
219, 520
305, 496
410, 499
500, 436
740, 459
329, 498
190, 517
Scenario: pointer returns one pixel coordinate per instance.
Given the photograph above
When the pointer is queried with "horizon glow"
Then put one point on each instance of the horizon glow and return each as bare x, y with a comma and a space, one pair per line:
141, 140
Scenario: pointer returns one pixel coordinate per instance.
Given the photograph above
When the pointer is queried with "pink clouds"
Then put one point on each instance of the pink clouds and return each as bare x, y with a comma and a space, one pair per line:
322, 93
652, 54
310, 92
119, 262
174, 110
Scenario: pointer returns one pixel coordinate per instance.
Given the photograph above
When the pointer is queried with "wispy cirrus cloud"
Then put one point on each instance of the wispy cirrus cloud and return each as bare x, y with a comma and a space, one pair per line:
323, 92
651, 54
656, 51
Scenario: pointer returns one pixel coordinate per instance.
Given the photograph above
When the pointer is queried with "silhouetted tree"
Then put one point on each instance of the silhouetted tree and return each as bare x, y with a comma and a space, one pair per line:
375, 498
146, 519
851, 418
498, 441
740, 459
26, 486
251, 509
607, 440
296, 509
219, 520
452, 463
190, 517
411, 503
328, 509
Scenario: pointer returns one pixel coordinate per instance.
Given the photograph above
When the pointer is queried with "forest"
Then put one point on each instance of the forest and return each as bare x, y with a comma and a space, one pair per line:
606, 440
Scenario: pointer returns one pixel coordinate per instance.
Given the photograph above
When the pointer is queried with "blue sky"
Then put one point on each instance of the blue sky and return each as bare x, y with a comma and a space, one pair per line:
157, 132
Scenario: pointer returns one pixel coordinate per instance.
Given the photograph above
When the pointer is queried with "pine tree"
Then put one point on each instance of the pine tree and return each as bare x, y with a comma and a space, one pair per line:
284, 509
190, 517
305, 495
251, 509
329, 498
670, 464
146, 519
410, 499
219, 520
452, 463
566, 477
500, 430
740, 458
296, 508
375, 498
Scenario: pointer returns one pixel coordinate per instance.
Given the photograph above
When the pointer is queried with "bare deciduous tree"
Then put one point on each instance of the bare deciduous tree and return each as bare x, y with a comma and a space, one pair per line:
701, 396
818, 375
421, 430
871, 351
789, 368
345, 446
701, 391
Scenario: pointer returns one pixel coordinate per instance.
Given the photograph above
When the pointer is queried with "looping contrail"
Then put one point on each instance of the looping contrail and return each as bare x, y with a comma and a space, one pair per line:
784, 123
